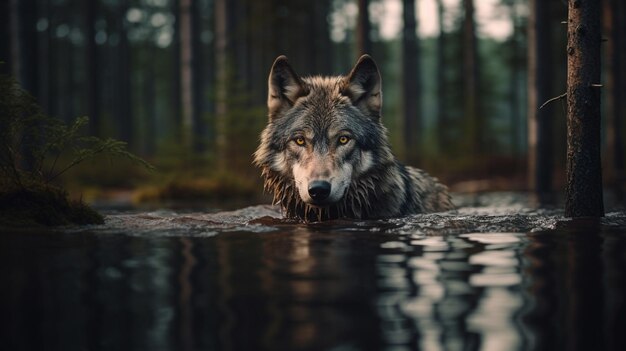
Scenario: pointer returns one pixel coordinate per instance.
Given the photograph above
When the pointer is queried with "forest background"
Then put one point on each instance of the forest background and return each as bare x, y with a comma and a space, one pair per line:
184, 83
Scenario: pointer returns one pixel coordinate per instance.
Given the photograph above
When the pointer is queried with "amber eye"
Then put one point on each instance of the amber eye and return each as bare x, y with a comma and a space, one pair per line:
343, 140
300, 141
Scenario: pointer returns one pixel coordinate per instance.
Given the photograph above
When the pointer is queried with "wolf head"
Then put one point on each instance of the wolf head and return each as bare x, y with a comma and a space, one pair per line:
323, 134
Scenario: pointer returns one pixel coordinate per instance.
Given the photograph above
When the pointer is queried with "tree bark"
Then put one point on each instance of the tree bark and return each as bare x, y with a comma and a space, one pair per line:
540, 121
322, 49
442, 114
583, 192
614, 170
5, 32
44, 39
197, 81
25, 63
187, 75
25, 57
176, 74
148, 94
124, 92
470, 80
222, 45
620, 86
411, 84
92, 68
364, 43
516, 68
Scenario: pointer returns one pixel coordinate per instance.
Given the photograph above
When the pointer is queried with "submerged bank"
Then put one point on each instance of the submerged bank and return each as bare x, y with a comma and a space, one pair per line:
40, 205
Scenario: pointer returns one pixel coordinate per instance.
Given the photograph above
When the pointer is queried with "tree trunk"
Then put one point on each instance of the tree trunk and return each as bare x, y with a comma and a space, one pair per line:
470, 80
364, 43
51, 64
540, 121
583, 192
614, 170
620, 86
44, 39
322, 49
187, 74
222, 45
411, 84
442, 114
25, 57
197, 81
7, 35
175, 93
514, 89
149, 99
25, 63
124, 93
92, 69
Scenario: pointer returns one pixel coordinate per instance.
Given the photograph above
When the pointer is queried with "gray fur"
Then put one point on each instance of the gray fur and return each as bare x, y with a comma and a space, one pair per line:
319, 109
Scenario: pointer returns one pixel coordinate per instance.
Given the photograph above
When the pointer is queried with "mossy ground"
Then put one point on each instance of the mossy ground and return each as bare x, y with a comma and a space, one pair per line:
42, 205
215, 187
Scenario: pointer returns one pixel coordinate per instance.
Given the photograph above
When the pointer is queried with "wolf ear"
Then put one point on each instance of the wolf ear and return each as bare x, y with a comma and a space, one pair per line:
284, 86
364, 86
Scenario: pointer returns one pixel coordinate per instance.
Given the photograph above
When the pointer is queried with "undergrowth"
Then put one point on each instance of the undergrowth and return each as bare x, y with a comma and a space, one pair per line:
35, 150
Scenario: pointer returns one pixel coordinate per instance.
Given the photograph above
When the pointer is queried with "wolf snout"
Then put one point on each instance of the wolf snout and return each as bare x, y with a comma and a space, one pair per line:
319, 190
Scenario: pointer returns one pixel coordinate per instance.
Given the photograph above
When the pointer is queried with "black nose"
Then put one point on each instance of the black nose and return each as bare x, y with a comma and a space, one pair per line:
319, 190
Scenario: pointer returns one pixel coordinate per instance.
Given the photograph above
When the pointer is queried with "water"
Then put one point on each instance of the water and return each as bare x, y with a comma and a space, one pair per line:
496, 277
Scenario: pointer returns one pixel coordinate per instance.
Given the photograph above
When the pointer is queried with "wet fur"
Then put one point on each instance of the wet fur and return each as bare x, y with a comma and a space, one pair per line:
380, 186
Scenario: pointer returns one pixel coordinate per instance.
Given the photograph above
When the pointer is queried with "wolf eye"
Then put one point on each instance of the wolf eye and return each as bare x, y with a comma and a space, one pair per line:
299, 140
343, 140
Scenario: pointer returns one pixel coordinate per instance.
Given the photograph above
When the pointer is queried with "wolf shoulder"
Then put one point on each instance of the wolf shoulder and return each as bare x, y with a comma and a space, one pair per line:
425, 193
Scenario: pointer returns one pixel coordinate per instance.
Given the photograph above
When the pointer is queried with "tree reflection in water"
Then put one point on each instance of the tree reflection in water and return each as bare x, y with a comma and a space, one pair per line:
269, 284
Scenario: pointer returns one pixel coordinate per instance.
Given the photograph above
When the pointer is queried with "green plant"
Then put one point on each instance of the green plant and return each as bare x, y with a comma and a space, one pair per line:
31, 143
36, 149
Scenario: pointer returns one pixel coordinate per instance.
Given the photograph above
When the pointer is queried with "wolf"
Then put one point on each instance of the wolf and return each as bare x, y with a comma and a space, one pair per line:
324, 153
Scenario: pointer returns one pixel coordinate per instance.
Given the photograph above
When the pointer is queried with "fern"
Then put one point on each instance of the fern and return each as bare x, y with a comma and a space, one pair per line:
29, 137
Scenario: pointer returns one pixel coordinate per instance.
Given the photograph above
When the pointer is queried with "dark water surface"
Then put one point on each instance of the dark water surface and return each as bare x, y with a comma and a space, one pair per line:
500, 277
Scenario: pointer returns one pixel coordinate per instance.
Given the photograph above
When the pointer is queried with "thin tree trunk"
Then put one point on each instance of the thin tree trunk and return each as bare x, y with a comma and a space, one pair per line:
411, 84
51, 64
621, 87
364, 43
176, 74
321, 31
25, 62
5, 44
197, 82
540, 121
471, 84
44, 54
92, 69
583, 192
515, 65
149, 100
442, 115
186, 69
14, 26
124, 99
222, 74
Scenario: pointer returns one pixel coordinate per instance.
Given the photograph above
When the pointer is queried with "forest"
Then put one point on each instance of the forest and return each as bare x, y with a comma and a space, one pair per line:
474, 91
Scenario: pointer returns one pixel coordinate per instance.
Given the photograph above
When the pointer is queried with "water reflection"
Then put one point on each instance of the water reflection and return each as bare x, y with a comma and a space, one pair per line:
339, 287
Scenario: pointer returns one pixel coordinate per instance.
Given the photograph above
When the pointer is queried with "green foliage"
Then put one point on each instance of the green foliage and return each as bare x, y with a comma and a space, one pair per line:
29, 138
31, 145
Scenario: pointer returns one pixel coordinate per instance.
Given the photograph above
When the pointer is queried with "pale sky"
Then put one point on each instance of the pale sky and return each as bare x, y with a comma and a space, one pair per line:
492, 19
